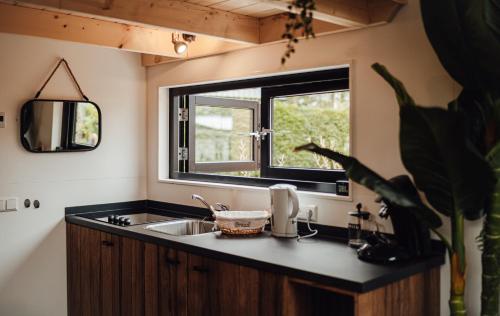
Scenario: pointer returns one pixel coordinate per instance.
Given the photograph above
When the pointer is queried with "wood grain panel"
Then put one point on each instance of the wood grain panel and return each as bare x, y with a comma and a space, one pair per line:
265, 290
151, 275
90, 269
172, 14
222, 288
213, 287
249, 281
110, 275
224, 284
73, 268
132, 277
271, 28
198, 289
230, 5
206, 3
173, 282
408, 297
257, 10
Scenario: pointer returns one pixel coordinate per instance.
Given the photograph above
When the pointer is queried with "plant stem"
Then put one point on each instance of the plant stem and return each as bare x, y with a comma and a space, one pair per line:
491, 256
457, 266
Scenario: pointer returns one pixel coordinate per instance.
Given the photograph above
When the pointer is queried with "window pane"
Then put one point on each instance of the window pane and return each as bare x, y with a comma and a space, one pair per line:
223, 134
252, 94
86, 125
322, 118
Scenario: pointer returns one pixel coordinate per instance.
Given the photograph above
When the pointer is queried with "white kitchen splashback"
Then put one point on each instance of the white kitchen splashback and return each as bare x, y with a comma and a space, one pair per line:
33, 249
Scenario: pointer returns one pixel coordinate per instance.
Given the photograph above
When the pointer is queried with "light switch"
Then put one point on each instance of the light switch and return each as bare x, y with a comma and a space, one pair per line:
12, 204
2, 205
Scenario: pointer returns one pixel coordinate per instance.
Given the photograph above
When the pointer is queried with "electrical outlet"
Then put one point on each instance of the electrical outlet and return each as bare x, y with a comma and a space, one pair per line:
2, 205
304, 210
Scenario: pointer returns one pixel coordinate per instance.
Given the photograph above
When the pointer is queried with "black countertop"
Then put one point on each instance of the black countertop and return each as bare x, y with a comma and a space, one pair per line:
326, 261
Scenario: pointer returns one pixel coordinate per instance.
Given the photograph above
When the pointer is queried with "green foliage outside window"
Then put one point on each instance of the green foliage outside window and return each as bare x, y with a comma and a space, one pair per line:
87, 125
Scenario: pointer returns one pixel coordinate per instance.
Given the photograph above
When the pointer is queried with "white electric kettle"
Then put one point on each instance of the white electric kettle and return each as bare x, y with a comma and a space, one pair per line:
284, 210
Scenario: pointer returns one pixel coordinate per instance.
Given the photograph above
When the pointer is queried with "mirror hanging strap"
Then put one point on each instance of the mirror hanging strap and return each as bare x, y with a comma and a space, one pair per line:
61, 61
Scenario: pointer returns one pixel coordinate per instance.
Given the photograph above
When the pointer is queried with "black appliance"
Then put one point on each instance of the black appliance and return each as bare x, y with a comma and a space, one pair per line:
411, 238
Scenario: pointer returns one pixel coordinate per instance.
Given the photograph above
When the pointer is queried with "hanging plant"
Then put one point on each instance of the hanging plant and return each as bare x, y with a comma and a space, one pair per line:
299, 24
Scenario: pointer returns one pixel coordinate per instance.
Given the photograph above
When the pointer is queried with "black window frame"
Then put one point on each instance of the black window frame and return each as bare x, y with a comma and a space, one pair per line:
316, 180
267, 94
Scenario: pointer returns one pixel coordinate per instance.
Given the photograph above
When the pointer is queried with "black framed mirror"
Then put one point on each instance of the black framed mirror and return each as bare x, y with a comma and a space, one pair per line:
60, 125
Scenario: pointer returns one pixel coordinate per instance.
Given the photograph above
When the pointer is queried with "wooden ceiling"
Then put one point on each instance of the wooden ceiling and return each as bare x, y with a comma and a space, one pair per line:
253, 8
146, 26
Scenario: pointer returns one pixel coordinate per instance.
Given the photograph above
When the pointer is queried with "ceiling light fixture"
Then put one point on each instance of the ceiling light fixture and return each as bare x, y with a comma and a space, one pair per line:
181, 41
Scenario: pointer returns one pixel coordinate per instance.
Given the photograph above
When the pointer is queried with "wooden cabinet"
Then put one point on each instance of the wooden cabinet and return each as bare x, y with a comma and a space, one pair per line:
84, 270
112, 275
221, 288
139, 278
172, 282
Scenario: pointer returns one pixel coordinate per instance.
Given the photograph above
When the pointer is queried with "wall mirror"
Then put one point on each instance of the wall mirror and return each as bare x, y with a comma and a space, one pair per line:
60, 125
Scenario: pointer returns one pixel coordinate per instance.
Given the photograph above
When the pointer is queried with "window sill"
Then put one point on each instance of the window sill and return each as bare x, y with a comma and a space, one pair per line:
329, 196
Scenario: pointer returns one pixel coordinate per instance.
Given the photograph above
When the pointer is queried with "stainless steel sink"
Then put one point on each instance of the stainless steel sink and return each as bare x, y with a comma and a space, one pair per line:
183, 227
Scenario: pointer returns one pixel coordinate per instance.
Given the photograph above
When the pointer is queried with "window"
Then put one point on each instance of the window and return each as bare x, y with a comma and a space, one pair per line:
222, 133
80, 125
244, 132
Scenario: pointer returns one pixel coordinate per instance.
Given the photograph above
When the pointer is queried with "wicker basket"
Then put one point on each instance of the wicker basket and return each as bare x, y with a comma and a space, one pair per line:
241, 222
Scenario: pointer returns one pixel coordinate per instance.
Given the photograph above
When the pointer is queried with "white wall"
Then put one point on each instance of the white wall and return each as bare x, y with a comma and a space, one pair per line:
32, 242
402, 46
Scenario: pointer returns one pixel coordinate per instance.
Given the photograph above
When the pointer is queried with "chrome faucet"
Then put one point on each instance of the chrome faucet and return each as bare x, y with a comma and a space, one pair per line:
220, 206
202, 200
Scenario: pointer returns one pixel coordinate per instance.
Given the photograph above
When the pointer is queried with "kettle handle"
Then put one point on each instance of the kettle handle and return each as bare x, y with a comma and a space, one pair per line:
295, 203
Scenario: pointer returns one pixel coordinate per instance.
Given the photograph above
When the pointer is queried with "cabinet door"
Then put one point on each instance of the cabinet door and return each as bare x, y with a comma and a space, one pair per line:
221, 288
202, 292
173, 282
93, 259
84, 270
139, 278
260, 292
110, 275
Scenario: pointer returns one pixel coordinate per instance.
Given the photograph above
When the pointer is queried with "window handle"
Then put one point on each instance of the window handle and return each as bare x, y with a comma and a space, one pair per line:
261, 134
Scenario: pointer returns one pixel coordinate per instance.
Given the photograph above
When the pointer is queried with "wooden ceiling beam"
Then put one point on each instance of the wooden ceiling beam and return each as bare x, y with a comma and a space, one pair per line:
171, 14
203, 46
272, 28
62, 26
348, 13
68, 27
376, 12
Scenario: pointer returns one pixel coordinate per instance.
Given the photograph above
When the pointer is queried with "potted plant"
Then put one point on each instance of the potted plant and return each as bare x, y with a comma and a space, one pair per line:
453, 154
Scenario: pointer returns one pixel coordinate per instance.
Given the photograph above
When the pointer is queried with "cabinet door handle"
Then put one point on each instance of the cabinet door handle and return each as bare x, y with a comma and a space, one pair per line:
107, 243
172, 262
200, 269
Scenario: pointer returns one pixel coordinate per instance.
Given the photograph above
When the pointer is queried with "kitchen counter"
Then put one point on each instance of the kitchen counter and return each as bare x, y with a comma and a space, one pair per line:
327, 261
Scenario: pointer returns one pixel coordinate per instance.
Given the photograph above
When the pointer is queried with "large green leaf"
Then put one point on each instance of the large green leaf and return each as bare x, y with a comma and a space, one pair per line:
361, 174
477, 116
444, 30
466, 37
481, 25
434, 149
